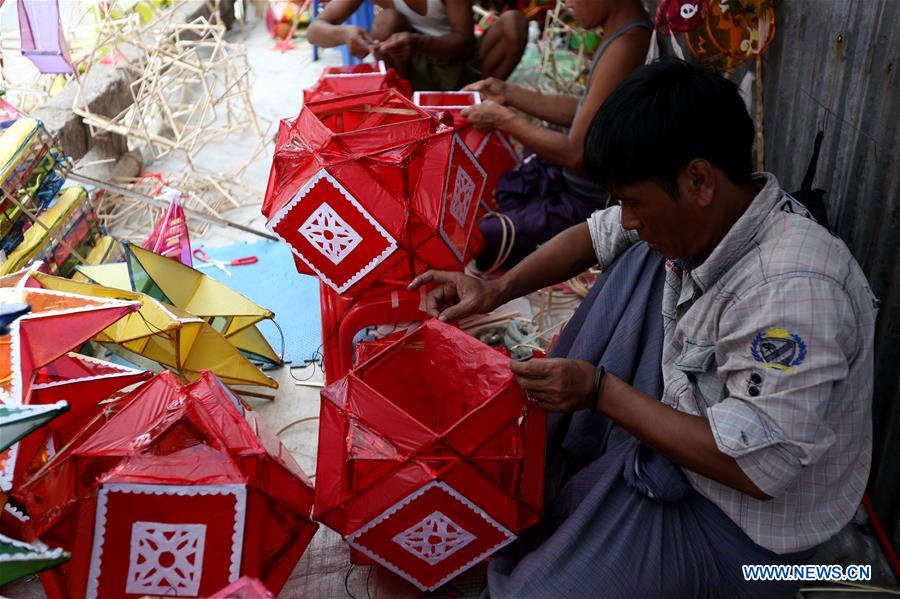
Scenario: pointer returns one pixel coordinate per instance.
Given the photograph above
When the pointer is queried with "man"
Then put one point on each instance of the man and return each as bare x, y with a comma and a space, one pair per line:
759, 449
431, 42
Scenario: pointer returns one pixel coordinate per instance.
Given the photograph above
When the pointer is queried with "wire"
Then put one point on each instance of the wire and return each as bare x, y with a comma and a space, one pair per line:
347, 582
154, 330
280, 333
298, 421
305, 364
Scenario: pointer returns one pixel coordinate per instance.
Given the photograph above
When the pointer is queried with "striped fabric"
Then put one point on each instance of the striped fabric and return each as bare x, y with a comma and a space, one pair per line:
620, 520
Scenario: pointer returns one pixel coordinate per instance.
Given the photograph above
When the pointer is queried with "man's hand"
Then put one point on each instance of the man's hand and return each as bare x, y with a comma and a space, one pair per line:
557, 384
490, 89
357, 40
456, 295
487, 115
399, 46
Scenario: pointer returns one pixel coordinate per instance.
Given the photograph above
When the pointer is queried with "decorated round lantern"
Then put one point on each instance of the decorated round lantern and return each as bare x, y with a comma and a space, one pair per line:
735, 31
430, 458
179, 494
679, 16
354, 79
371, 189
492, 148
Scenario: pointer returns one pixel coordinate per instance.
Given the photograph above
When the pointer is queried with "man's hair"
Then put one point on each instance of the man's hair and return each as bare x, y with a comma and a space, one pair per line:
661, 117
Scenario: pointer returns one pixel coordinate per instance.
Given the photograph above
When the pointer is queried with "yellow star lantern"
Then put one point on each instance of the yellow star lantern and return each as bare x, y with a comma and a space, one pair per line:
163, 334
188, 289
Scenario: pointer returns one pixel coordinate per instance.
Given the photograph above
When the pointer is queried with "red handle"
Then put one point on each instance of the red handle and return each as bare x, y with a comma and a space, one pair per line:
244, 261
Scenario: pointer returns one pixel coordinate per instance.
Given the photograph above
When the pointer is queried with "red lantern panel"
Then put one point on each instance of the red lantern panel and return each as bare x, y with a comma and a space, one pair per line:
338, 238
453, 535
430, 457
173, 548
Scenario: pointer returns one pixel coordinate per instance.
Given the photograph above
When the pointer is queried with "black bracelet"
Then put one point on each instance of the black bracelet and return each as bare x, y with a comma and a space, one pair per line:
598, 382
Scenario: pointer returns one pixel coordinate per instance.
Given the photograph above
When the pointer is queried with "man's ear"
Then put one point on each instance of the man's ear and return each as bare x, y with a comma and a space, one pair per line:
697, 181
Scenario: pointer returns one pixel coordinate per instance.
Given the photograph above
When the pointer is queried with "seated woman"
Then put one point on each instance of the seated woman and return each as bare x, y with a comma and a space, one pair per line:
548, 192
431, 42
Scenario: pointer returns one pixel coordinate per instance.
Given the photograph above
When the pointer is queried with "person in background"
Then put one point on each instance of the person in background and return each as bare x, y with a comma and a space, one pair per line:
549, 191
430, 42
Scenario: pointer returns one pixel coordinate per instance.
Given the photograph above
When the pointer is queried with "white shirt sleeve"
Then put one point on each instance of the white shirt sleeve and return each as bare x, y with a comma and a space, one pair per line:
608, 236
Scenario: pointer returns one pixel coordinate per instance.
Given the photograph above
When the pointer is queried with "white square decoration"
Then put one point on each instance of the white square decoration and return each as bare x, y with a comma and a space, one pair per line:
435, 538
463, 188
166, 559
329, 233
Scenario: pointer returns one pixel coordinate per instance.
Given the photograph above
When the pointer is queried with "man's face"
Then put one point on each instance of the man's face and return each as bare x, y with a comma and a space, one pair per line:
673, 227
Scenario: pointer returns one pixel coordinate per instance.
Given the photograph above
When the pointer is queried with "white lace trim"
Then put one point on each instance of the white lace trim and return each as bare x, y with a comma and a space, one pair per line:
458, 142
15, 362
237, 537
279, 216
9, 469
25, 411
351, 538
123, 371
15, 512
35, 550
8, 473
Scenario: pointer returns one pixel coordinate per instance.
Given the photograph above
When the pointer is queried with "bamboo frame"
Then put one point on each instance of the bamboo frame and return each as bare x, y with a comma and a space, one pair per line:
557, 32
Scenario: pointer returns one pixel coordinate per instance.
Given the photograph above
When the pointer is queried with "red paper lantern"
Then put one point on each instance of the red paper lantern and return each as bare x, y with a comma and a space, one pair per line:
430, 458
83, 382
355, 79
56, 323
178, 494
370, 190
492, 148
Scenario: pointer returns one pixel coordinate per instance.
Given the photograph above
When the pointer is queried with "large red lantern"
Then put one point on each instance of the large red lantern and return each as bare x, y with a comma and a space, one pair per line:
430, 458
180, 493
355, 79
492, 148
370, 190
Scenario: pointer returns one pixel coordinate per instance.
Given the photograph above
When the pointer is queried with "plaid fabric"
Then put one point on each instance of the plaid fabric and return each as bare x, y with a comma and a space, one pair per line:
771, 339
622, 521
